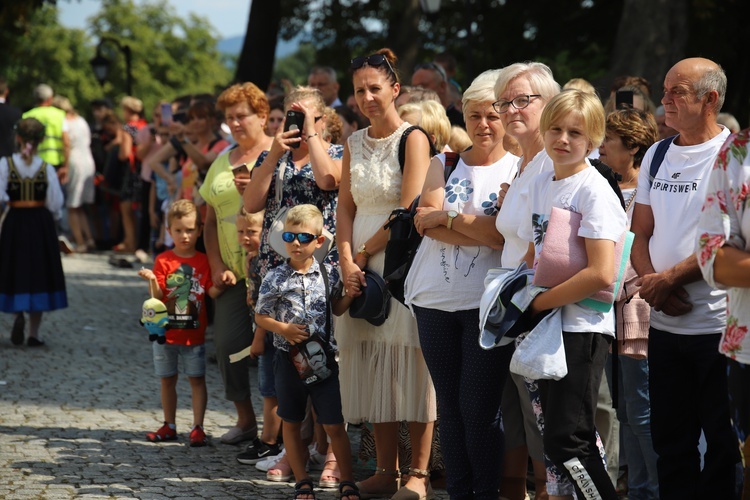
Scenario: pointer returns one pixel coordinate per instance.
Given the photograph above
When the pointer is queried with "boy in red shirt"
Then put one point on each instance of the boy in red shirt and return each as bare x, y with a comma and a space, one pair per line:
181, 278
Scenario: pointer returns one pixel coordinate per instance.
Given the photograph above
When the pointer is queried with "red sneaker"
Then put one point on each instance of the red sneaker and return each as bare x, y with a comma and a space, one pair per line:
165, 433
198, 437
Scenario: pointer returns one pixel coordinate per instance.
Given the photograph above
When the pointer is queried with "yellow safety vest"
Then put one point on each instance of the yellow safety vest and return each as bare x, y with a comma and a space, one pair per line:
51, 148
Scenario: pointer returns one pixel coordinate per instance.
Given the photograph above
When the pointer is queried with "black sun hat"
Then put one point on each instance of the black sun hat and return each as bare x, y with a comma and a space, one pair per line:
375, 302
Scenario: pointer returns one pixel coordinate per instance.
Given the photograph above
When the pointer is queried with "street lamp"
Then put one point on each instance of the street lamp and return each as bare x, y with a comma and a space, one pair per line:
101, 64
430, 6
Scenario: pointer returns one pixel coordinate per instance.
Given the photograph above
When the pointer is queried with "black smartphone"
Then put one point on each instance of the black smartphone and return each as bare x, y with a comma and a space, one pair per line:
294, 121
624, 99
241, 171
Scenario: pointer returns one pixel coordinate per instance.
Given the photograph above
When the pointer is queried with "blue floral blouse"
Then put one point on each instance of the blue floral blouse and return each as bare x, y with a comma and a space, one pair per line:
299, 188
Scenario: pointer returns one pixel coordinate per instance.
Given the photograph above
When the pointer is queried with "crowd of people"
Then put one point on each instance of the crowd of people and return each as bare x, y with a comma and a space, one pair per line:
268, 214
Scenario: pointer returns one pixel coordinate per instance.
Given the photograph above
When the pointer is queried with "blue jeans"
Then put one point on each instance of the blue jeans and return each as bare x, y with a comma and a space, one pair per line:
634, 414
689, 393
469, 385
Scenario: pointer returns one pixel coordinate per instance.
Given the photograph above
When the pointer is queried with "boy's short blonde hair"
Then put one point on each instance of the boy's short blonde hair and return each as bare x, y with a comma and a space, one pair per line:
308, 215
586, 105
252, 219
182, 208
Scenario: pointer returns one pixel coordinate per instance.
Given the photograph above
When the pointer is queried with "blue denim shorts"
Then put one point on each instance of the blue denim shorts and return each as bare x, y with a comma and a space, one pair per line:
266, 380
167, 356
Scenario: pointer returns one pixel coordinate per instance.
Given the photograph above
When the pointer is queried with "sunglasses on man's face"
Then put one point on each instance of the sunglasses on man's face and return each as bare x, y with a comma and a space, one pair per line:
374, 60
303, 238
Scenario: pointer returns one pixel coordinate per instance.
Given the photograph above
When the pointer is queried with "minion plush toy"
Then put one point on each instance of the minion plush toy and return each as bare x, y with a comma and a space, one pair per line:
155, 319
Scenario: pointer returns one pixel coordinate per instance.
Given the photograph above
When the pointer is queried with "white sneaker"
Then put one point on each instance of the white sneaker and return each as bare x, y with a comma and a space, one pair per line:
269, 462
316, 461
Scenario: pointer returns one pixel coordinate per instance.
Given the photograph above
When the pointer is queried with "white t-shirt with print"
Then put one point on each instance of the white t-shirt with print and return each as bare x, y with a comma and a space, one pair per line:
676, 198
511, 214
602, 217
451, 277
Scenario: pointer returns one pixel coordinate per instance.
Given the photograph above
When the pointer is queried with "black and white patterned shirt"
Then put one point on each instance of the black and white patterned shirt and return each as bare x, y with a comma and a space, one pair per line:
290, 296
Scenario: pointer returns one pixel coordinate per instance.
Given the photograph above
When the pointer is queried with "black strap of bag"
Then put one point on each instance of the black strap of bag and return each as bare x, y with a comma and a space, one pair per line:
402, 145
324, 273
658, 158
404, 240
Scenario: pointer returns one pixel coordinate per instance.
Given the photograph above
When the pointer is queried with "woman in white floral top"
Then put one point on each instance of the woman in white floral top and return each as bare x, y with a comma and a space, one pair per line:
723, 253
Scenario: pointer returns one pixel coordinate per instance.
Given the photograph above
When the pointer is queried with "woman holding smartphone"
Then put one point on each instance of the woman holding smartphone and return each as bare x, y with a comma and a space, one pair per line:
245, 110
311, 169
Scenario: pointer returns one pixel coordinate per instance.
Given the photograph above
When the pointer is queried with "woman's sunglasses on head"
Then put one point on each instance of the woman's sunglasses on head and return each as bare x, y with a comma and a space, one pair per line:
374, 60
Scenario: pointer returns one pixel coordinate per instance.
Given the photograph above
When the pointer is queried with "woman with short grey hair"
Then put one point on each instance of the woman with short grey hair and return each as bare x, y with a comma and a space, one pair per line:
445, 285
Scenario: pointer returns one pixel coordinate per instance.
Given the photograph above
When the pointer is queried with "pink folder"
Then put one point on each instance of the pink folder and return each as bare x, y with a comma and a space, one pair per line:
564, 254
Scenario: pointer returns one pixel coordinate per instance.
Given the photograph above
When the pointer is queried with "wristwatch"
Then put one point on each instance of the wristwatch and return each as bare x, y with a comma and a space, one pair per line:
452, 214
362, 250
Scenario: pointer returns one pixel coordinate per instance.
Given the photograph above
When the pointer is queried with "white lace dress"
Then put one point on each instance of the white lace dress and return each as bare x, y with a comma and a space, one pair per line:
383, 374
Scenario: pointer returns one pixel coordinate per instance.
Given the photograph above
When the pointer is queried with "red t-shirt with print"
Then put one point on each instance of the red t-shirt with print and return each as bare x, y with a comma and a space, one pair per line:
184, 283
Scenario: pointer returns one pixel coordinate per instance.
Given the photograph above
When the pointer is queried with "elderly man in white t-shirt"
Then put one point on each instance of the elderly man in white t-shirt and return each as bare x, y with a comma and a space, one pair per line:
688, 383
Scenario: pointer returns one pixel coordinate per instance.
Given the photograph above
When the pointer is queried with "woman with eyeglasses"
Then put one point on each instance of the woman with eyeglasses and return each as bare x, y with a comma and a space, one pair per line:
444, 288
384, 378
245, 110
522, 90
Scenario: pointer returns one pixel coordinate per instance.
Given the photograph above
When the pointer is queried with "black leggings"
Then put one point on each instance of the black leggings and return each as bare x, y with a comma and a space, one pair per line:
569, 405
469, 385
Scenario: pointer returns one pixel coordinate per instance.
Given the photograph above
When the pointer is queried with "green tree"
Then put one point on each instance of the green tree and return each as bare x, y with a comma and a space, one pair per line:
171, 56
575, 37
295, 67
50, 53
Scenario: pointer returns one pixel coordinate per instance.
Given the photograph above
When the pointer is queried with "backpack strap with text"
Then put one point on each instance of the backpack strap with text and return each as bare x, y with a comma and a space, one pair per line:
658, 158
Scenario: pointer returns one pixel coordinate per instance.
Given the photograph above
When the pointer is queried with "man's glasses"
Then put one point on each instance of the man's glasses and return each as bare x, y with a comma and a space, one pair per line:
433, 67
374, 60
303, 238
519, 102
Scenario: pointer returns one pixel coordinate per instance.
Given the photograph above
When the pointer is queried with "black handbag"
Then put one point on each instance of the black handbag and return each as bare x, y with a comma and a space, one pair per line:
404, 240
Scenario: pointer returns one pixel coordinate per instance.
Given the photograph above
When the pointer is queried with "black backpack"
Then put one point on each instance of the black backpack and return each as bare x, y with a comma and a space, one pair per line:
404, 239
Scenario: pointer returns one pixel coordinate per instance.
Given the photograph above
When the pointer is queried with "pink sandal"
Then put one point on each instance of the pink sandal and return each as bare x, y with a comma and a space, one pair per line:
281, 472
330, 470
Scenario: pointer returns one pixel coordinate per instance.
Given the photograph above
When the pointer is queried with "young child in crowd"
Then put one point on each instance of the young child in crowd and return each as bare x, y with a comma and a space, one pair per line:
293, 304
31, 273
573, 125
181, 278
249, 228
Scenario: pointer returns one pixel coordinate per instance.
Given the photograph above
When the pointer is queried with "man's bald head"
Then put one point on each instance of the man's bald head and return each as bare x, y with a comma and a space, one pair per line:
705, 75
694, 91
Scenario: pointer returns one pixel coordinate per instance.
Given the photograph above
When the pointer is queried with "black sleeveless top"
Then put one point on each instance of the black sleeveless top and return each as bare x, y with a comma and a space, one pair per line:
22, 189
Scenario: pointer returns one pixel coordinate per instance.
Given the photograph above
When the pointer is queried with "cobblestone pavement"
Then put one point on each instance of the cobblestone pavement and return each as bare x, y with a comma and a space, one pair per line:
73, 414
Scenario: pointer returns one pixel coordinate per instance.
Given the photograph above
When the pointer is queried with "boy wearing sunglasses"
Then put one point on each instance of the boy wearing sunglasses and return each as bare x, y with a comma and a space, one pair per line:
294, 303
